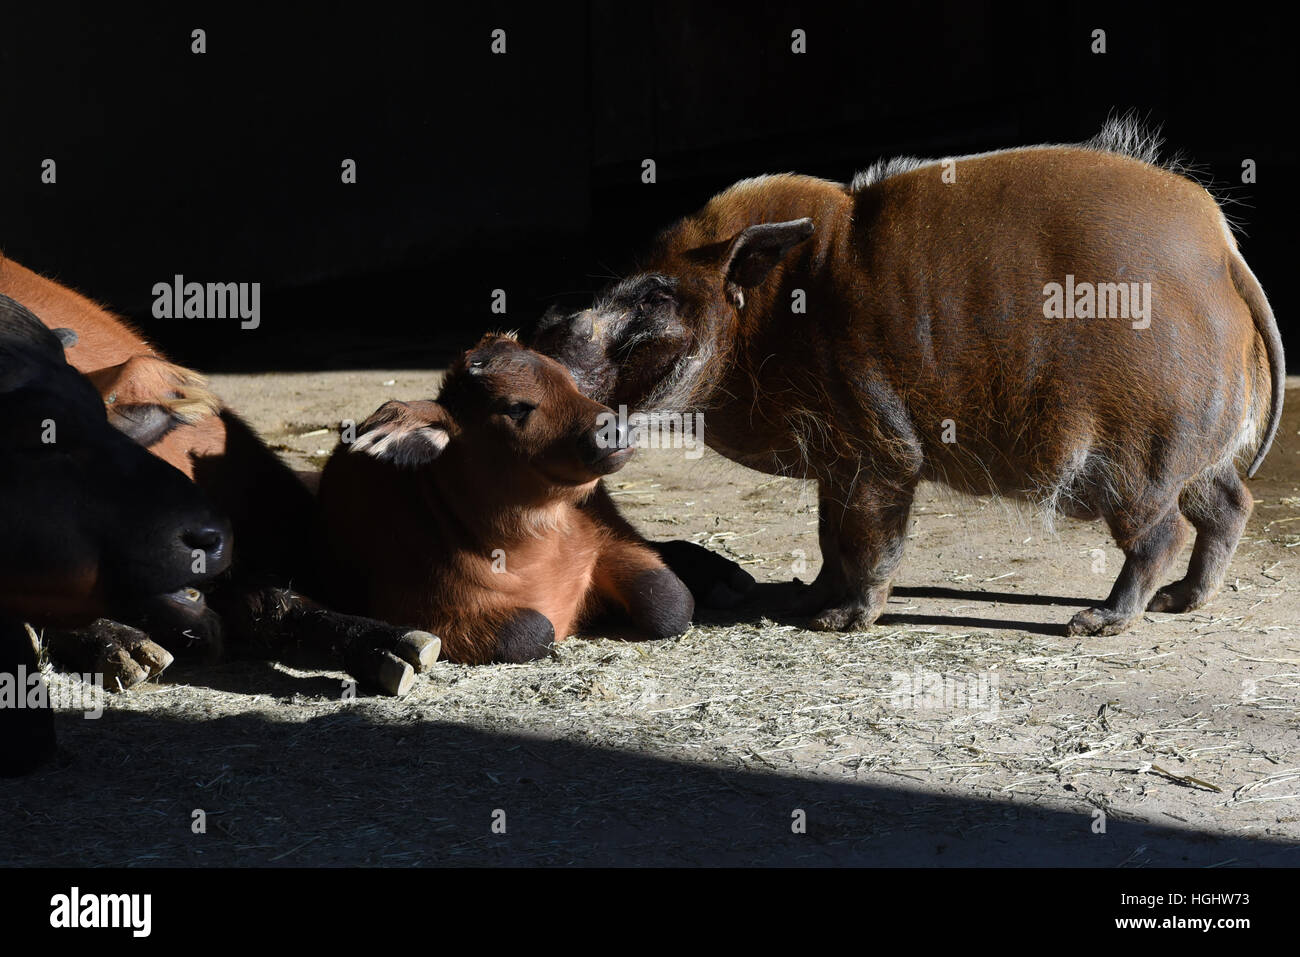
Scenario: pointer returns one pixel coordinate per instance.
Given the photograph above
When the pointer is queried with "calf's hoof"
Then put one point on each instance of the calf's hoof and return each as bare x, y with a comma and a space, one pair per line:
1098, 621
728, 591
385, 672
419, 649
713, 580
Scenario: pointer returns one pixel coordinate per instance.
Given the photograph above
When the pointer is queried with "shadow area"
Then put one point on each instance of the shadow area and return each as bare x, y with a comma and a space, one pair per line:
360, 787
785, 603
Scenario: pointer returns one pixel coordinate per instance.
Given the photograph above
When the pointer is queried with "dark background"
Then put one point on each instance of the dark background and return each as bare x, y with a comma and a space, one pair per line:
478, 171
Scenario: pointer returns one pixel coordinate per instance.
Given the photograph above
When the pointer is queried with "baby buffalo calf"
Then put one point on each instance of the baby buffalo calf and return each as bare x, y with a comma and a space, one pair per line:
480, 515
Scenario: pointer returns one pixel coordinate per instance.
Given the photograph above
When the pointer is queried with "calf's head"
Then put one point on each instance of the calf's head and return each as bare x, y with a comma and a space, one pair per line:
508, 421
649, 340
94, 526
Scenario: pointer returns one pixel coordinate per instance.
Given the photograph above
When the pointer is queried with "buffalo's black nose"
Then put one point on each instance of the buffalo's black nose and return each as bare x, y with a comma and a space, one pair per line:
206, 538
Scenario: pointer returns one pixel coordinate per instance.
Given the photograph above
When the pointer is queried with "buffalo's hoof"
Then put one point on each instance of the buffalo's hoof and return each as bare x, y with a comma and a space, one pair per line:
122, 655
385, 672
127, 665
1098, 621
713, 580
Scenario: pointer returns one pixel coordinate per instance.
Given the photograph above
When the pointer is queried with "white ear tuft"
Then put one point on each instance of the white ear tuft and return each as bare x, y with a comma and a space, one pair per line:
407, 448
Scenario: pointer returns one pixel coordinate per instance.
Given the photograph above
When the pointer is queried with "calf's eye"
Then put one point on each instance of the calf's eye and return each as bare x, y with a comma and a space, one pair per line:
518, 411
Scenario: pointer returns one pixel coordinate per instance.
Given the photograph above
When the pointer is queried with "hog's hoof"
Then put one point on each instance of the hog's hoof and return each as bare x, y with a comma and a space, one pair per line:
1179, 597
419, 649
1098, 621
845, 618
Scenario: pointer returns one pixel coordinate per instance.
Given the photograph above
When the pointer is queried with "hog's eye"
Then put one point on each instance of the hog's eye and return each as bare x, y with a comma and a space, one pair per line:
653, 301
518, 412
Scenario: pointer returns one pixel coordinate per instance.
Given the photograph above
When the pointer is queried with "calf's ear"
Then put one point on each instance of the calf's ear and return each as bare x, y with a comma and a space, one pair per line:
408, 435
755, 250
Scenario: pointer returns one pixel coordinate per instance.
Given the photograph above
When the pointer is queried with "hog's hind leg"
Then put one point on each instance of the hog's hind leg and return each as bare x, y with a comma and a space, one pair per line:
1217, 503
1149, 546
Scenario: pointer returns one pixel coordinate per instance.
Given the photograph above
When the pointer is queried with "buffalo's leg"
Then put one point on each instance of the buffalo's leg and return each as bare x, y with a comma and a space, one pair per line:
26, 731
123, 655
631, 579
280, 624
1218, 505
714, 581
524, 635
862, 531
1148, 550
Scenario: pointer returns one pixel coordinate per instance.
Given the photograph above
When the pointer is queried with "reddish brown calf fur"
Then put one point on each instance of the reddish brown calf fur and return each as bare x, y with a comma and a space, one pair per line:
480, 516
874, 335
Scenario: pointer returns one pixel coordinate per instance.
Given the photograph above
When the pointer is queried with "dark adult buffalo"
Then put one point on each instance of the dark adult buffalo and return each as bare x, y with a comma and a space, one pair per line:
92, 524
169, 410
1072, 325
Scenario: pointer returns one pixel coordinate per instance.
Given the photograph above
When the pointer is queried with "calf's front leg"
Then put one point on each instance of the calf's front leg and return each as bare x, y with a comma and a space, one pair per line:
631, 578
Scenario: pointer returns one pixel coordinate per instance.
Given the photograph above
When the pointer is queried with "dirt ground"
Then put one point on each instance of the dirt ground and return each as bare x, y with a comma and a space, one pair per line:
749, 739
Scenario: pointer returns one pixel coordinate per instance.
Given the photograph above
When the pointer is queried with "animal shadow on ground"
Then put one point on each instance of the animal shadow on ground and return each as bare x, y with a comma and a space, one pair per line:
781, 602
373, 786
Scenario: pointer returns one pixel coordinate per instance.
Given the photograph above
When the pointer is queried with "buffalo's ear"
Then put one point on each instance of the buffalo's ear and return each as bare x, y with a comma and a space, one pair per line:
755, 250
405, 434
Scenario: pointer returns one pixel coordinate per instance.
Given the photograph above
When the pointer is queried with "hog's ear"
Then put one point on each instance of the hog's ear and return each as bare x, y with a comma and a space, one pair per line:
408, 435
757, 249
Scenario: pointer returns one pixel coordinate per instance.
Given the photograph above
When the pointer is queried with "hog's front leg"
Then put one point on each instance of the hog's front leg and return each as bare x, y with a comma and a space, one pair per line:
862, 529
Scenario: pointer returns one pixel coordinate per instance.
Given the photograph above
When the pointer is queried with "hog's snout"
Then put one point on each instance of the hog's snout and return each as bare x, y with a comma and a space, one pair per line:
582, 327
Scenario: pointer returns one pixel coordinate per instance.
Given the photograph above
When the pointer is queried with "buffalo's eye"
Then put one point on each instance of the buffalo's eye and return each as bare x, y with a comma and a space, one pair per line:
518, 412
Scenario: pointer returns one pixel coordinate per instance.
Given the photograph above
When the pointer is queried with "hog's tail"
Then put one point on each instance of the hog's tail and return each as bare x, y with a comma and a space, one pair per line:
1249, 289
